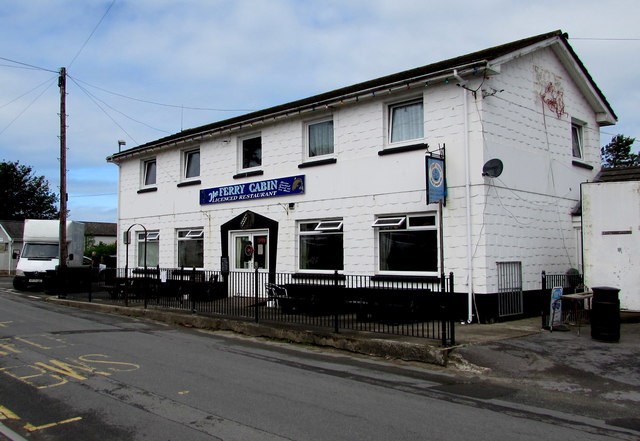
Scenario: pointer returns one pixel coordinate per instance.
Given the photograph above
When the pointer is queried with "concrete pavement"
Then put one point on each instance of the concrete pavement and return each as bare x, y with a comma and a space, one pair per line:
603, 378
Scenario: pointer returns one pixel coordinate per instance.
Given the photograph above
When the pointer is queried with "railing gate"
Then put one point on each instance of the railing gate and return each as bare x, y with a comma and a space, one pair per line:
510, 288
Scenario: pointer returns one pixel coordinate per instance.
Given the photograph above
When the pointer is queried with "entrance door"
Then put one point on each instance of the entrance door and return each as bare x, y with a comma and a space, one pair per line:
249, 250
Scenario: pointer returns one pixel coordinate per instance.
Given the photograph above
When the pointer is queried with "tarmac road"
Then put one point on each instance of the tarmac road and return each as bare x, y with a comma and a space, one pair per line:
602, 378
568, 374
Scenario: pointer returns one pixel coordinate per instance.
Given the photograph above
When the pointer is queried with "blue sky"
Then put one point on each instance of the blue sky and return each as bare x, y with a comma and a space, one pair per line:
142, 69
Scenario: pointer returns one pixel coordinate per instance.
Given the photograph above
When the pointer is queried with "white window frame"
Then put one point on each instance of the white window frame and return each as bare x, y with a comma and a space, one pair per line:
241, 142
403, 223
189, 235
391, 108
323, 227
145, 171
577, 134
332, 225
390, 221
307, 133
186, 155
152, 237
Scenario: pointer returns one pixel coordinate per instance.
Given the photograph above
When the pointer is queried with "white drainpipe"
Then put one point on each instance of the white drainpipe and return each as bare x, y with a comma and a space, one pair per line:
467, 187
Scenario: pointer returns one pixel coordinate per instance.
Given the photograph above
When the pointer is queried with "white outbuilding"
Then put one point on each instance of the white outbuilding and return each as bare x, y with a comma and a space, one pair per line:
611, 232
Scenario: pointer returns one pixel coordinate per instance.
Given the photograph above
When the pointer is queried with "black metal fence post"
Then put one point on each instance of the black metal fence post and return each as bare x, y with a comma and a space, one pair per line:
145, 284
90, 280
336, 302
255, 286
192, 286
448, 322
126, 286
542, 299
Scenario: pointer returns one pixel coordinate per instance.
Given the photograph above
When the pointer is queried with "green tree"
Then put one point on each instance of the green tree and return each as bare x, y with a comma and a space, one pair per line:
24, 195
618, 153
102, 251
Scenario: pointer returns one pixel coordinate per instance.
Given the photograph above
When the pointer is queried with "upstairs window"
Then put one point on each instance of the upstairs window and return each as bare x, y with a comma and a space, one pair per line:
251, 152
149, 172
576, 140
406, 121
320, 138
191, 164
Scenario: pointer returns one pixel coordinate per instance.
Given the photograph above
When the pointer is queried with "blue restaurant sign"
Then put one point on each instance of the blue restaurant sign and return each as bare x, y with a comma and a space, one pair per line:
253, 190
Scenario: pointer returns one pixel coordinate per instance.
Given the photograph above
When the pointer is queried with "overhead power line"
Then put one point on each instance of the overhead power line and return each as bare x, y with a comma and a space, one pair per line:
604, 39
51, 81
95, 101
177, 106
92, 32
31, 66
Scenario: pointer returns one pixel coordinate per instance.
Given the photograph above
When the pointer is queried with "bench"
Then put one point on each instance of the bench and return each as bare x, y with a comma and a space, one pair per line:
300, 298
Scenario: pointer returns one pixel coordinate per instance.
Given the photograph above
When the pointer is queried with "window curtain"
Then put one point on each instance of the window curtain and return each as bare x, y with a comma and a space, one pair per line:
321, 138
407, 122
152, 253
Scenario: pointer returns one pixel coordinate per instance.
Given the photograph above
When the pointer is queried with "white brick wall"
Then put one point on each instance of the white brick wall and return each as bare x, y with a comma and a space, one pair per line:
523, 215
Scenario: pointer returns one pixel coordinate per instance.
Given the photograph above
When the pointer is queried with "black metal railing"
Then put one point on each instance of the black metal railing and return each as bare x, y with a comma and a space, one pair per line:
571, 283
416, 307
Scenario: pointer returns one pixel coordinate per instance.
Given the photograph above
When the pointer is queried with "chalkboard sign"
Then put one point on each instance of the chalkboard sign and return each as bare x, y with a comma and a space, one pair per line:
224, 264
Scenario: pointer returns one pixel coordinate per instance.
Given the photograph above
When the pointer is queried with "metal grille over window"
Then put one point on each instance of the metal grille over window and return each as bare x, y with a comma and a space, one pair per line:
510, 288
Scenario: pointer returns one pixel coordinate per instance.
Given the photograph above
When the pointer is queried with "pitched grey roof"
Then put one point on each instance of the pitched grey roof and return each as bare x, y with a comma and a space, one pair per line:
100, 228
477, 59
618, 174
13, 228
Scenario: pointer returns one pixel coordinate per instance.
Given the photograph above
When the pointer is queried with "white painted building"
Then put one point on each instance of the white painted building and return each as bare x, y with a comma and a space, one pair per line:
611, 231
10, 246
359, 204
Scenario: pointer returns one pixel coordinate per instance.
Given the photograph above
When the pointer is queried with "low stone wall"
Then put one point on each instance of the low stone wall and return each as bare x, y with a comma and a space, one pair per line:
360, 343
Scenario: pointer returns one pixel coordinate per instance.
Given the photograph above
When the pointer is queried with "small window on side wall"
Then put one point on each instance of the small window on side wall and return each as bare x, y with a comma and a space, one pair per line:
576, 140
191, 164
149, 173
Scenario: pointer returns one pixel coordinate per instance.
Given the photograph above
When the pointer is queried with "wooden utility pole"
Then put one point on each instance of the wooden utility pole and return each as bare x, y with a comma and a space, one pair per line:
62, 83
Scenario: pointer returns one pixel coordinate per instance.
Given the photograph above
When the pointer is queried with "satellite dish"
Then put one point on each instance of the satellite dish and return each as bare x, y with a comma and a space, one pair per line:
492, 168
